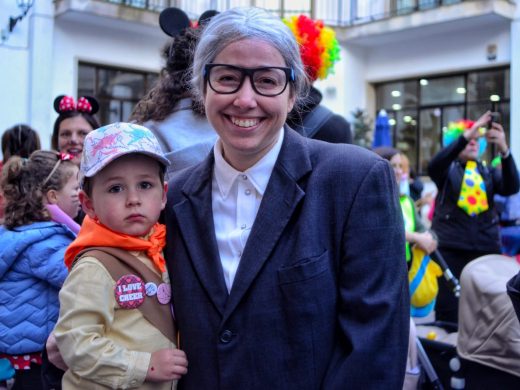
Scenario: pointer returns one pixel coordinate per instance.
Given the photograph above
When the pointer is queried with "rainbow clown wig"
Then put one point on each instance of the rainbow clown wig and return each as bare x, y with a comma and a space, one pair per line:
456, 129
319, 48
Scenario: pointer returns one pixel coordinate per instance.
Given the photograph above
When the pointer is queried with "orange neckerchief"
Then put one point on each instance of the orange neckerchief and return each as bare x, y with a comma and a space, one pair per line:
93, 233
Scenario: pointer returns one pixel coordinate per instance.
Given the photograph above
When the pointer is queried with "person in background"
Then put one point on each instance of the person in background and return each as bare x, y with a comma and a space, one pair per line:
415, 231
288, 253
75, 120
31, 261
19, 140
465, 218
413, 183
121, 333
168, 110
319, 51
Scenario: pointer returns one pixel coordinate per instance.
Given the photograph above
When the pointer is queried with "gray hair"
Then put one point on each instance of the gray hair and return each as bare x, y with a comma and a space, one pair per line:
237, 24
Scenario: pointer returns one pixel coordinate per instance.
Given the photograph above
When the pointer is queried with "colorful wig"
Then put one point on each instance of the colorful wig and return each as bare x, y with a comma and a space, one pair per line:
319, 48
456, 129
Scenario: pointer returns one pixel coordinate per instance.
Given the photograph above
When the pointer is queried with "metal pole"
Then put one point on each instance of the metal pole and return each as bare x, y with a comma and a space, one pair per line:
427, 365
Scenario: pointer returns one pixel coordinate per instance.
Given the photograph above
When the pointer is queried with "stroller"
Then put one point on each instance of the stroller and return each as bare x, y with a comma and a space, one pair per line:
485, 352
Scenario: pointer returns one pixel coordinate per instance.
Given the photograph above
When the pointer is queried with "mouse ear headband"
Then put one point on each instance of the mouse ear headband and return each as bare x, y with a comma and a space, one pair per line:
174, 21
85, 104
319, 48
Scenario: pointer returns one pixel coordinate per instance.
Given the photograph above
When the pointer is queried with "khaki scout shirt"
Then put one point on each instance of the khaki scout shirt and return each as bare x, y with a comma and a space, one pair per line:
104, 345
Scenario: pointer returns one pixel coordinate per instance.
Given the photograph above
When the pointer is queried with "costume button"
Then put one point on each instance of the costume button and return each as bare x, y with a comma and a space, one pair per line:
226, 336
244, 177
248, 192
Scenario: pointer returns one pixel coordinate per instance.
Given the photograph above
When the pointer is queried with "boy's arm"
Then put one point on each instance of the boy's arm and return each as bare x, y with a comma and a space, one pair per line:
86, 313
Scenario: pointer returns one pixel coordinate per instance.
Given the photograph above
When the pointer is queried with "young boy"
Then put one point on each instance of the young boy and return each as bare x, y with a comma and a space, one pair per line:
116, 326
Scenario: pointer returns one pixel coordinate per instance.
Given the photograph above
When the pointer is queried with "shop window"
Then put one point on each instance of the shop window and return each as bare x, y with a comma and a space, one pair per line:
398, 95
420, 108
483, 85
443, 90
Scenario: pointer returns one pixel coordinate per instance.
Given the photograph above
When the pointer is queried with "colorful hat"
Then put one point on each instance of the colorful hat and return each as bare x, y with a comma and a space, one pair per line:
104, 145
319, 48
457, 128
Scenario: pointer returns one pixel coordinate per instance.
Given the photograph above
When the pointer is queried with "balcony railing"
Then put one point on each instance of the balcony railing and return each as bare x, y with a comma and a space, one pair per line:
340, 13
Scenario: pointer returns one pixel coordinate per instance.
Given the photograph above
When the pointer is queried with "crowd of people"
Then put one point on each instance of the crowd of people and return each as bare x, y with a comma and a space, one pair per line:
228, 235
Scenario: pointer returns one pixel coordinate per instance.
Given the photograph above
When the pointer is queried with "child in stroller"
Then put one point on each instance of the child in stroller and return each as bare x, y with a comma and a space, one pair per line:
485, 353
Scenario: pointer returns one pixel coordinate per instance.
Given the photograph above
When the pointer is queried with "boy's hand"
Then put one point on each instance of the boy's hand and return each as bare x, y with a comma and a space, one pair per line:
166, 365
53, 353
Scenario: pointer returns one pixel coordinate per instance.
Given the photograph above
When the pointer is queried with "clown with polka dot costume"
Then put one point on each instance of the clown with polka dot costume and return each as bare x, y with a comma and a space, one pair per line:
465, 218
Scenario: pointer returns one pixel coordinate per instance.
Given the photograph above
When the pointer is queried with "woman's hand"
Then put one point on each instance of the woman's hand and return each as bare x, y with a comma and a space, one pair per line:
424, 241
496, 136
474, 132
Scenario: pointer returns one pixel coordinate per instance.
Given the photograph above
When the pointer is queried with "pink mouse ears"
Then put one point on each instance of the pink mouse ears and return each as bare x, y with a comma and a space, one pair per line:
85, 104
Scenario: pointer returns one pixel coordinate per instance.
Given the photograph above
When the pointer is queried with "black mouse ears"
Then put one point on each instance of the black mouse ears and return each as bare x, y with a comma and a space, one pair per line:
174, 21
206, 16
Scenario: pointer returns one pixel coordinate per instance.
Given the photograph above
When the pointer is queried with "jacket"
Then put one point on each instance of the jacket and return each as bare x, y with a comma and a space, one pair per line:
454, 228
31, 273
185, 136
320, 298
335, 129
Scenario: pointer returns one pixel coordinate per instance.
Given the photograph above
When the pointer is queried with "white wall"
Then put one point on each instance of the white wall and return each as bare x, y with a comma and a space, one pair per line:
107, 46
441, 53
14, 59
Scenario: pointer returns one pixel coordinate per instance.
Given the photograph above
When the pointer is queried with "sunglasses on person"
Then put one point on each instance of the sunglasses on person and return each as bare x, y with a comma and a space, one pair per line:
266, 81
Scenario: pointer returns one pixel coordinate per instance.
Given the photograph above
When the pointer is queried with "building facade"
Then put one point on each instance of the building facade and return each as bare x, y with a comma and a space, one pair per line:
425, 62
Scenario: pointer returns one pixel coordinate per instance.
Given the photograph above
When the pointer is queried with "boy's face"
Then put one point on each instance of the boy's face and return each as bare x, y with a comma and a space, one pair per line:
127, 195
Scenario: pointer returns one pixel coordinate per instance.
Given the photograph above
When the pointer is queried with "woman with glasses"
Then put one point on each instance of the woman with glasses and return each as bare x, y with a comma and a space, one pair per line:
287, 254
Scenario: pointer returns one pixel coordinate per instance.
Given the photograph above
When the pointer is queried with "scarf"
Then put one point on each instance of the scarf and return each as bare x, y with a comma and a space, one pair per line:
473, 197
93, 233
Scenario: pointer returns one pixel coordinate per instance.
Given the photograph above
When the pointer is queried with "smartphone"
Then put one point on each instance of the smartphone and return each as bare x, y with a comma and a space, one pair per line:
495, 117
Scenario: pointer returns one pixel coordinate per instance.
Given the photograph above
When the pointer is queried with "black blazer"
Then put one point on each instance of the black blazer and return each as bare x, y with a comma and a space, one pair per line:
320, 298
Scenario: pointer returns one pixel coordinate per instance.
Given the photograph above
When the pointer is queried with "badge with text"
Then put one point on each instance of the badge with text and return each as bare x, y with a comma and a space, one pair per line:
129, 291
164, 293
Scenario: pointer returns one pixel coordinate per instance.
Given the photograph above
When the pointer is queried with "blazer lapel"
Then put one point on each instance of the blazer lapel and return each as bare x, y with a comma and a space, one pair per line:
282, 195
195, 216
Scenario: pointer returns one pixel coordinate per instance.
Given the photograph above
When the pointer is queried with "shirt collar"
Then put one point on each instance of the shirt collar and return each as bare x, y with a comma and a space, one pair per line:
259, 174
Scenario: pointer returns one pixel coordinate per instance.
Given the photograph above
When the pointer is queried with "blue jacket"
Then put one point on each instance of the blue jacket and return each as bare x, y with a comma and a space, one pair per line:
31, 273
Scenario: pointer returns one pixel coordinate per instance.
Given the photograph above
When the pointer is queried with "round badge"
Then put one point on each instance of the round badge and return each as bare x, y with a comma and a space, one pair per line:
151, 289
164, 293
129, 291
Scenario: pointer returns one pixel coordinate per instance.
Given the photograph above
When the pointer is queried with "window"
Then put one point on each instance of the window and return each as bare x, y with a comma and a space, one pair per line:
117, 90
420, 108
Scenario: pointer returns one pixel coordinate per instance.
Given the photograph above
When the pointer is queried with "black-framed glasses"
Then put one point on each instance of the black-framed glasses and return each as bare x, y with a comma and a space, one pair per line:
266, 80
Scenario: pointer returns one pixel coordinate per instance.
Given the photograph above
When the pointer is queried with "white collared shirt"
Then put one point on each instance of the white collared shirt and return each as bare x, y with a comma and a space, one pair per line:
236, 198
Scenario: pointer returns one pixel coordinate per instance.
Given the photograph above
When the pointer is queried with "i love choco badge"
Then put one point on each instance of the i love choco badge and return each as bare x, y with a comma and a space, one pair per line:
129, 291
